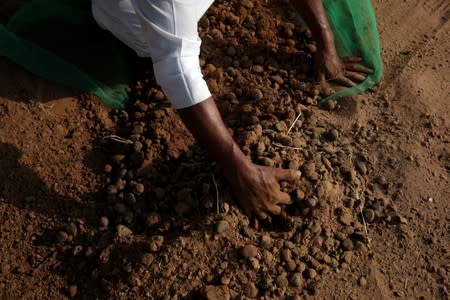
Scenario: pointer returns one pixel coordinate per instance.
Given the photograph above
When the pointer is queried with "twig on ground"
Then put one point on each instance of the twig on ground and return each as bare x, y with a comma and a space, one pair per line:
118, 139
283, 146
295, 121
365, 225
217, 194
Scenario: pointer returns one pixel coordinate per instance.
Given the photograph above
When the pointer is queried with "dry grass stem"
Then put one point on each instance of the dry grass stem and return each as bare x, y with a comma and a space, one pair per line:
118, 139
217, 194
293, 123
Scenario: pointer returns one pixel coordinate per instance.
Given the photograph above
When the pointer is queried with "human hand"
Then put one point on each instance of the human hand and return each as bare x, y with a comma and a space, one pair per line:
258, 190
340, 72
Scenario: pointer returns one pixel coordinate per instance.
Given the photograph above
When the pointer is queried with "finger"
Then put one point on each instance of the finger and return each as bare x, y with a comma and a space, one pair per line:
344, 81
352, 59
286, 174
358, 68
282, 198
261, 215
358, 77
273, 208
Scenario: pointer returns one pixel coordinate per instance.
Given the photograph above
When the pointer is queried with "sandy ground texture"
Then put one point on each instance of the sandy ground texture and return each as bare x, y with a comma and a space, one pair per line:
85, 215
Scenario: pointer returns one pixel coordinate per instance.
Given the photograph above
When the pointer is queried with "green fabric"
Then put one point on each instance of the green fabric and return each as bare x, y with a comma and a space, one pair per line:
60, 41
355, 30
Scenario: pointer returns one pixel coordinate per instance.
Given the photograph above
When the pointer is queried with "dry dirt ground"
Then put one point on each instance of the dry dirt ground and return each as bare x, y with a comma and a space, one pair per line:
85, 216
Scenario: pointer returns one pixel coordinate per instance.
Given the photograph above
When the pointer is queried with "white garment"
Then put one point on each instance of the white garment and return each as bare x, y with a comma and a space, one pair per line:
166, 31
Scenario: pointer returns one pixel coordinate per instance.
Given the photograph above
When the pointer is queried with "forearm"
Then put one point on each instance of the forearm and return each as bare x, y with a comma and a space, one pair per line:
206, 125
313, 13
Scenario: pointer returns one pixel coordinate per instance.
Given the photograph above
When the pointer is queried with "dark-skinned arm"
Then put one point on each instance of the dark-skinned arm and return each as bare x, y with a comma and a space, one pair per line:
345, 71
256, 187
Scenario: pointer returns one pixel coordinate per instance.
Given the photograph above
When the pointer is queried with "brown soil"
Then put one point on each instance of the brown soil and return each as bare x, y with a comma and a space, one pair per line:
84, 215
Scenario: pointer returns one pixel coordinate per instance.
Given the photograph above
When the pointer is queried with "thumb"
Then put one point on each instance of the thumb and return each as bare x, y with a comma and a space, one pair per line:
286, 175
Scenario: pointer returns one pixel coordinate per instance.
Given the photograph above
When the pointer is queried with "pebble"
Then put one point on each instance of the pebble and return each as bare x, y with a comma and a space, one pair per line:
281, 126
311, 201
268, 162
362, 281
277, 79
247, 4
123, 231
361, 167
297, 279
267, 257
108, 168
309, 169
138, 188
182, 208
220, 292
284, 140
332, 135
347, 244
369, 215
72, 229
346, 218
249, 251
222, 226
256, 94
312, 273
62, 236
104, 222
73, 290
111, 189
281, 280
251, 290
286, 255
152, 219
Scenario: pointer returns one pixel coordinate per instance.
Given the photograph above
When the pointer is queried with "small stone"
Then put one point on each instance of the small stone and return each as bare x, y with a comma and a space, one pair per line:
152, 219
311, 273
346, 218
309, 169
103, 222
251, 290
108, 168
62, 236
268, 162
286, 255
231, 51
220, 292
281, 281
247, 4
72, 229
222, 226
369, 215
281, 126
267, 257
249, 251
331, 104
332, 135
299, 194
277, 79
123, 231
256, 94
138, 188
297, 279
362, 281
311, 201
284, 140
347, 256
361, 167
73, 290
159, 193
111, 189
347, 244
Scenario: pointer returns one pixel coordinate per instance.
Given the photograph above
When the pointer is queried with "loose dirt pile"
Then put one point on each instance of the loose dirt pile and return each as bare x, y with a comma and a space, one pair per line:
151, 217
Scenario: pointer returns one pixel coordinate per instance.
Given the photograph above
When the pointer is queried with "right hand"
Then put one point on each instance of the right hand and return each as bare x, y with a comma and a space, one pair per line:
258, 190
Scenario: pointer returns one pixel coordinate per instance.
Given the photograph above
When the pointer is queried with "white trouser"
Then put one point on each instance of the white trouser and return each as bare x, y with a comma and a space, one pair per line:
166, 31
